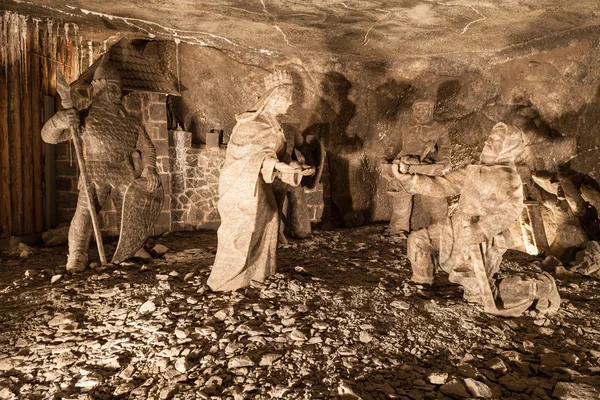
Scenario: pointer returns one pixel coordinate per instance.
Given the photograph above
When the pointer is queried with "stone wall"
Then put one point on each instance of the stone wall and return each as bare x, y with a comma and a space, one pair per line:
189, 174
195, 180
151, 109
360, 109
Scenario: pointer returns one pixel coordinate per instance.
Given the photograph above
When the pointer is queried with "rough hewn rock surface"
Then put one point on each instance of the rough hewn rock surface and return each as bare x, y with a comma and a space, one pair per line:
339, 320
360, 108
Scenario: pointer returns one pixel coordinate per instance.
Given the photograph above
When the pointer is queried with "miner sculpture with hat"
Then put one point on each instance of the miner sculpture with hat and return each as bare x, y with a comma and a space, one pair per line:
108, 138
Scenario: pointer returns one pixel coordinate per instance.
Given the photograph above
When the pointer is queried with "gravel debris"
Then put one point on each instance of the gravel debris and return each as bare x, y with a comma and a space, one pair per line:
339, 320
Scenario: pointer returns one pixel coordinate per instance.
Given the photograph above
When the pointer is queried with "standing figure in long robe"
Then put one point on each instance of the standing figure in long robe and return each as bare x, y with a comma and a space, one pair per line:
247, 237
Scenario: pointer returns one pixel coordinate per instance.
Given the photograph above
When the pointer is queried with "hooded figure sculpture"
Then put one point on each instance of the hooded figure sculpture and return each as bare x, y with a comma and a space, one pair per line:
109, 137
247, 237
491, 199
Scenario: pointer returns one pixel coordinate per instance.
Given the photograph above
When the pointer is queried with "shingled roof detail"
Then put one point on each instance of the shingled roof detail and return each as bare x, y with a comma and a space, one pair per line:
137, 73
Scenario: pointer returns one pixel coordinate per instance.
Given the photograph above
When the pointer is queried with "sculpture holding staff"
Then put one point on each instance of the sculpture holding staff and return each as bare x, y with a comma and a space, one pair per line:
106, 139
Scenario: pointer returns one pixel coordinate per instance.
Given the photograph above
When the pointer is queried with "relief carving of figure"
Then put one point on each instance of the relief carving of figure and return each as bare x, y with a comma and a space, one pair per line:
247, 237
295, 216
472, 242
425, 150
109, 140
295, 220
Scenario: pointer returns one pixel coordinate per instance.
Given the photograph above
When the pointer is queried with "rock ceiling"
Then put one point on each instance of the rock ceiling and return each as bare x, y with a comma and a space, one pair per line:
369, 29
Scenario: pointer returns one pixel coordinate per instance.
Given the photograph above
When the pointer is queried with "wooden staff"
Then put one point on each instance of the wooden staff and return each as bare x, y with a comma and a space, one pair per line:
63, 90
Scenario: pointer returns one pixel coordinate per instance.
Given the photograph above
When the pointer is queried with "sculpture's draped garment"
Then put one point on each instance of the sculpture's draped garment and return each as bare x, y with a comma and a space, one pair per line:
249, 215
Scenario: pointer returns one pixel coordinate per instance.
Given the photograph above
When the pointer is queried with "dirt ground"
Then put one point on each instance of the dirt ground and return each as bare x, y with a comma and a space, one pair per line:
339, 320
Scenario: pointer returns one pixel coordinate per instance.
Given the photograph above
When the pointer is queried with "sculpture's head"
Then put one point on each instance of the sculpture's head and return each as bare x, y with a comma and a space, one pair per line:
280, 88
422, 111
503, 145
107, 82
81, 95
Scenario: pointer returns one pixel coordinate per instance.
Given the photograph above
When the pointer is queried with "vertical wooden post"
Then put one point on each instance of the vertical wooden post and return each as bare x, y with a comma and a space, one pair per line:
52, 39
44, 60
14, 126
26, 132
49, 168
5, 167
36, 127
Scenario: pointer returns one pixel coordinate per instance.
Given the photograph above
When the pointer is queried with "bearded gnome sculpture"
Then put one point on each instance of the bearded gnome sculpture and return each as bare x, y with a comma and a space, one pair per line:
472, 242
109, 138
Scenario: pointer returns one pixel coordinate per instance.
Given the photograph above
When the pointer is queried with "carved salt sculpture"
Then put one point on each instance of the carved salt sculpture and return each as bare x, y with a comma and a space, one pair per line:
295, 216
472, 242
575, 220
108, 137
247, 237
425, 150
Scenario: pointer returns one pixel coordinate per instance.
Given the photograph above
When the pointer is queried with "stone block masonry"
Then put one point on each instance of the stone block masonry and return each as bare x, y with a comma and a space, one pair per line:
195, 183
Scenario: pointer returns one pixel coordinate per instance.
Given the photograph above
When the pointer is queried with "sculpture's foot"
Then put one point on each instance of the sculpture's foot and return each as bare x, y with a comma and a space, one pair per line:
281, 239
548, 299
472, 293
422, 268
421, 279
397, 230
76, 264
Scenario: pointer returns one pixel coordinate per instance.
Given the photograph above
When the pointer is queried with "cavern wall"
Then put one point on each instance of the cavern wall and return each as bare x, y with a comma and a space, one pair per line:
359, 109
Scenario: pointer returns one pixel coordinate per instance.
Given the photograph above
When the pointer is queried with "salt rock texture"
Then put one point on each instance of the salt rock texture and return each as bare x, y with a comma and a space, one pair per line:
359, 65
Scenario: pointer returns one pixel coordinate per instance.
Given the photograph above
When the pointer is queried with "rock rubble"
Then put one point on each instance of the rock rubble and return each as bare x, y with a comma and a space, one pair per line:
338, 320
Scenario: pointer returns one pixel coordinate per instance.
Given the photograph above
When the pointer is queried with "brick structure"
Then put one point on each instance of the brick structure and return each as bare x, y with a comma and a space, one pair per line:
189, 174
195, 183
67, 176
151, 109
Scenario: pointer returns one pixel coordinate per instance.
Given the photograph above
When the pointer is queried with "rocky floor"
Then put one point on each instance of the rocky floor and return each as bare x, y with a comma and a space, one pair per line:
339, 320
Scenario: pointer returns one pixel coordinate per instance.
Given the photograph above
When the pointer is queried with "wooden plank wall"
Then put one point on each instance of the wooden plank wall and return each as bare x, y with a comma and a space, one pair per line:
30, 53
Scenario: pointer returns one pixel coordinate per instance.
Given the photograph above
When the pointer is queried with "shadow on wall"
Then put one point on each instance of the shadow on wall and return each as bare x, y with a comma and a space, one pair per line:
585, 123
334, 112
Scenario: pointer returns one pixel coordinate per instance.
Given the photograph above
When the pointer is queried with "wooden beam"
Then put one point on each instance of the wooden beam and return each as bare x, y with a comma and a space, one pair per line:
5, 167
14, 130
52, 48
44, 68
37, 119
26, 133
